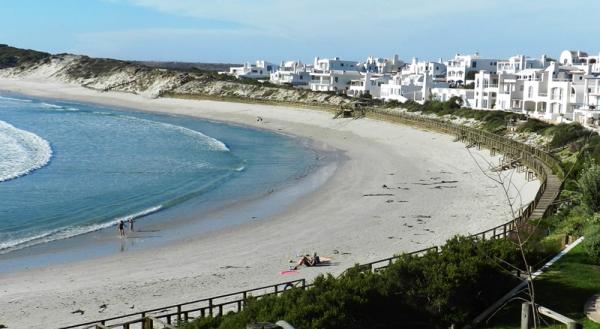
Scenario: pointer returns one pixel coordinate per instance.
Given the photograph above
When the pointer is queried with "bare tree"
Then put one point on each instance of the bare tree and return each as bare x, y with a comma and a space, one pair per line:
504, 178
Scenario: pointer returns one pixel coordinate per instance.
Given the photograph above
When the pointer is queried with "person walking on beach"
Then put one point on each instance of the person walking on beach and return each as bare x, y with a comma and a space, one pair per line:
121, 228
131, 220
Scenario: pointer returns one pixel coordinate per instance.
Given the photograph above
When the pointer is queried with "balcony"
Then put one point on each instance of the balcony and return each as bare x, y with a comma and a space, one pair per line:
490, 86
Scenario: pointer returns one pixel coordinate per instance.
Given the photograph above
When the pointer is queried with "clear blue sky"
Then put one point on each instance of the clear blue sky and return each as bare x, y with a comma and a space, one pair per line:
240, 30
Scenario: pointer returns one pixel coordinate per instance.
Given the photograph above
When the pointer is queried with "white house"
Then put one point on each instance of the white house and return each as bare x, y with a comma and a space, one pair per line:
415, 87
383, 65
294, 73
520, 62
333, 74
445, 93
553, 93
486, 90
436, 69
369, 83
260, 70
458, 68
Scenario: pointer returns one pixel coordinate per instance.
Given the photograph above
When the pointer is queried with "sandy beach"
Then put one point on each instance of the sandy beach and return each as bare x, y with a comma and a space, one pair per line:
399, 189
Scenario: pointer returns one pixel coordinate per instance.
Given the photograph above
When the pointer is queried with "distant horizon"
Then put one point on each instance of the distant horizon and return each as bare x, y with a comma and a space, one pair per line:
236, 31
406, 60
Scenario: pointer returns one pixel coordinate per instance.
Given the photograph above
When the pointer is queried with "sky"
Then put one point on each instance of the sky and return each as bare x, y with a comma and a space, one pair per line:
236, 31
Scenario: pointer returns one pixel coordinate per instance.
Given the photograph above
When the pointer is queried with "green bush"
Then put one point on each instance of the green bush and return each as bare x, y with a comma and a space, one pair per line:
533, 125
589, 186
591, 244
432, 291
566, 133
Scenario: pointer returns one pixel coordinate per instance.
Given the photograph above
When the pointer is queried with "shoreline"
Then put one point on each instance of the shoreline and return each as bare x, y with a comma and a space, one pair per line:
376, 204
195, 217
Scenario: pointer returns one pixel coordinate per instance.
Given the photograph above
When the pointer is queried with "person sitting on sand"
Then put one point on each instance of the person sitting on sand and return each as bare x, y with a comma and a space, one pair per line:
308, 261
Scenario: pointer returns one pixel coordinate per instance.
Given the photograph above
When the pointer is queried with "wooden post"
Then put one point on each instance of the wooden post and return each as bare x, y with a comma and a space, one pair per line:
525, 315
178, 313
147, 324
210, 307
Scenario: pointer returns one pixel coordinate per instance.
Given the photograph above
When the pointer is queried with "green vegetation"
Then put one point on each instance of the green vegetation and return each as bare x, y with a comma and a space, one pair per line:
564, 133
14, 57
564, 288
493, 121
533, 126
432, 291
591, 244
589, 186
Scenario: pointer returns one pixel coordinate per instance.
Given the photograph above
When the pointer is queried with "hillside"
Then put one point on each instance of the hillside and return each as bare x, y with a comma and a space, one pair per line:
135, 77
14, 57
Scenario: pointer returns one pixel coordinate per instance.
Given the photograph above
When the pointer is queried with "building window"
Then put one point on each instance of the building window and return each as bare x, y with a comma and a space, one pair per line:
474, 64
335, 79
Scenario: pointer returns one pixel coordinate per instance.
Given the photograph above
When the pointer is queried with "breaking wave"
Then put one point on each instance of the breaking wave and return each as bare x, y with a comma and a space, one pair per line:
65, 233
21, 152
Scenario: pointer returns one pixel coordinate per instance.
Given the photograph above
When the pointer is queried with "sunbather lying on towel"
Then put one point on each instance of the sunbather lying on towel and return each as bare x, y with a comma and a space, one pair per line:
313, 260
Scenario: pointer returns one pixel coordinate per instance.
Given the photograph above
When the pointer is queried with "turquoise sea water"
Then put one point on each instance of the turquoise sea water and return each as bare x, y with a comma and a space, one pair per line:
68, 169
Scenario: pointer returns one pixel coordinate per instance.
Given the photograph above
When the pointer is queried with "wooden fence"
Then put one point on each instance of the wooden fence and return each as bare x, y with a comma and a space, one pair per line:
173, 314
539, 162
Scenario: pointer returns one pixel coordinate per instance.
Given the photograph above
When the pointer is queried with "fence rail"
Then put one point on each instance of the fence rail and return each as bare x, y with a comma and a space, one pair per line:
538, 162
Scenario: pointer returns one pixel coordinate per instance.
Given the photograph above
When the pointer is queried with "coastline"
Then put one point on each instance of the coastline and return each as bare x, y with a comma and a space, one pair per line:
345, 214
249, 197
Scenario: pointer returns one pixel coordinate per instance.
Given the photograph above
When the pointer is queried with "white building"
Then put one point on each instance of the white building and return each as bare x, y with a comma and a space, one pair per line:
437, 70
415, 87
333, 74
260, 70
293, 73
485, 90
458, 68
443, 94
369, 83
580, 59
519, 62
383, 65
557, 93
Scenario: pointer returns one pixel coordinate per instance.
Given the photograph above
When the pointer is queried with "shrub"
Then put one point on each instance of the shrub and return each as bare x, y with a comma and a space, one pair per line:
431, 291
533, 125
565, 133
591, 244
589, 186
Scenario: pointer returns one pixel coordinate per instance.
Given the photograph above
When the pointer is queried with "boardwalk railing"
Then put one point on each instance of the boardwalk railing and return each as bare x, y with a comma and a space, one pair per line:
173, 314
535, 161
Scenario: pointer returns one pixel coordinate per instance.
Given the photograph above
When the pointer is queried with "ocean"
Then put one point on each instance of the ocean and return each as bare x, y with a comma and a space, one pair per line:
69, 169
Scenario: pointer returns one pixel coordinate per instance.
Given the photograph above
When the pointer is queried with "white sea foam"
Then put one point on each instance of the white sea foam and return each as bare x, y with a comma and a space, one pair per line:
65, 233
52, 106
21, 152
213, 143
15, 99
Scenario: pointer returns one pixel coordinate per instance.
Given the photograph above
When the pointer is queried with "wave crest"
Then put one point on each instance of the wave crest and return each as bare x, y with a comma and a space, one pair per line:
65, 233
21, 152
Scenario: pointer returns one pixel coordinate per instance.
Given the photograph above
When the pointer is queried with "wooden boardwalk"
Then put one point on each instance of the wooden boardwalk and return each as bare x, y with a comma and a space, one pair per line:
545, 203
